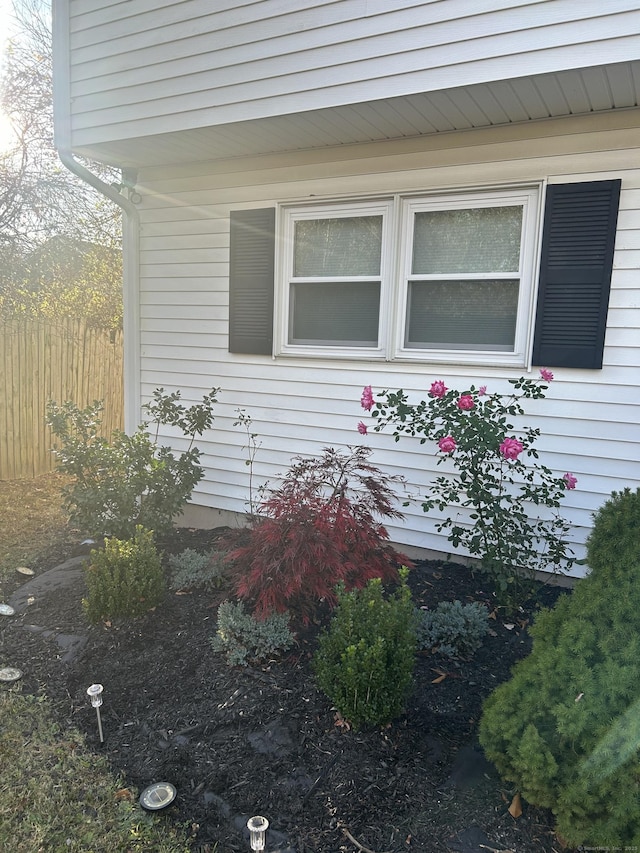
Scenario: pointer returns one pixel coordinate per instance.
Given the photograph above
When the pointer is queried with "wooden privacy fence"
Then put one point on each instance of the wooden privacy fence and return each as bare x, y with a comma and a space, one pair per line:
46, 361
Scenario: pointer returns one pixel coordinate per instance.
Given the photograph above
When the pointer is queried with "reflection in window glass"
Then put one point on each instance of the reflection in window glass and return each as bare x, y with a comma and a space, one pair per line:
335, 313
470, 240
462, 315
344, 246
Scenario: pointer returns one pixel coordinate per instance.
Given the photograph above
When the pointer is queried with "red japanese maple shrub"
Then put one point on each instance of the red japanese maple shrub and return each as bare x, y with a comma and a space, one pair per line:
321, 526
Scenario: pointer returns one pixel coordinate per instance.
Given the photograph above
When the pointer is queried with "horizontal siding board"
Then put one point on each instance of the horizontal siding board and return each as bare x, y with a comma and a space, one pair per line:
165, 300
181, 255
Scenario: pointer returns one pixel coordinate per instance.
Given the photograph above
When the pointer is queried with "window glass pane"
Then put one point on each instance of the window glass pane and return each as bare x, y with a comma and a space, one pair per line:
483, 239
335, 314
462, 314
337, 247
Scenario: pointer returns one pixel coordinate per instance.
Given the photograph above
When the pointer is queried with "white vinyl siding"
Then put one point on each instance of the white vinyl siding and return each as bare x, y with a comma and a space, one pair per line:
589, 421
141, 68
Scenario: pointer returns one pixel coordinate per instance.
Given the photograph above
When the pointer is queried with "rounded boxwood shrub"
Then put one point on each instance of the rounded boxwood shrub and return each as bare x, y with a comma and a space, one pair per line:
566, 728
365, 660
125, 578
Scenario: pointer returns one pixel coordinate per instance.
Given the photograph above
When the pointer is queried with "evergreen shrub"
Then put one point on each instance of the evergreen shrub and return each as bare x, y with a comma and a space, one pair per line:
192, 570
365, 659
245, 639
124, 579
565, 728
453, 629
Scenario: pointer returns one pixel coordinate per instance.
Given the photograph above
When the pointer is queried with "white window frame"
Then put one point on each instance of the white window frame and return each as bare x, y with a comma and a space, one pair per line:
395, 272
528, 199
285, 277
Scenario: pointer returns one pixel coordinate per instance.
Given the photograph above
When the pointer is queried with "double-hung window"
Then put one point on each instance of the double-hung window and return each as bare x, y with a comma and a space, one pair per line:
434, 278
336, 270
467, 276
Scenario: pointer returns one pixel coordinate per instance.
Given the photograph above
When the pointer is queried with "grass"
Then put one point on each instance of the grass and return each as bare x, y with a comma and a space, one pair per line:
56, 795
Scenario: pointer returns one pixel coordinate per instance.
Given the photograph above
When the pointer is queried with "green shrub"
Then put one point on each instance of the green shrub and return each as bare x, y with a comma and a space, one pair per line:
564, 729
365, 659
243, 638
128, 480
125, 578
453, 629
192, 570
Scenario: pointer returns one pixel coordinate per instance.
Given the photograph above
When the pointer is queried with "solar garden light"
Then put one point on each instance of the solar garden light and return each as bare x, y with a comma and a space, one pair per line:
257, 827
95, 694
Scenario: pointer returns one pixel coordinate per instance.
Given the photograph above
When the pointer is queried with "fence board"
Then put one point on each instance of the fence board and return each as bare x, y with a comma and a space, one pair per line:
41, 362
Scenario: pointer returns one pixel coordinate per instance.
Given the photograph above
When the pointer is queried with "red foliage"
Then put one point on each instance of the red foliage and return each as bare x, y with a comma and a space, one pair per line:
317, 529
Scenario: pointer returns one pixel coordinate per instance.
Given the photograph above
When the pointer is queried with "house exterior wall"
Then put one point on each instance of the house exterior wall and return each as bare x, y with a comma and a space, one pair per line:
590, 420
152, 66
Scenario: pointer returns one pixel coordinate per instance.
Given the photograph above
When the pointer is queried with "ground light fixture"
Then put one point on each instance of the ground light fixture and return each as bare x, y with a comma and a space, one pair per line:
10, 673
257, 827
157, 796
95, 694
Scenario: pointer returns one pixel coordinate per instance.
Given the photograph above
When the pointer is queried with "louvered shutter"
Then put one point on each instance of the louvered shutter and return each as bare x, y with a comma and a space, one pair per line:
251, 258
575, 274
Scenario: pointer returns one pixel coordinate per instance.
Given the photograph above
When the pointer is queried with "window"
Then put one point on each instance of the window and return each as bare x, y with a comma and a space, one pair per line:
438, 278
467, 276
431, 278
336, 273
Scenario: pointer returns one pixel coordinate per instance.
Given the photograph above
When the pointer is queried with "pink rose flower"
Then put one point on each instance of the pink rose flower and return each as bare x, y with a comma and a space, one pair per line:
569, 481
511, 448
366, 401
447, 444
438, 389
466, 402
547, 375
362, 428
482, 390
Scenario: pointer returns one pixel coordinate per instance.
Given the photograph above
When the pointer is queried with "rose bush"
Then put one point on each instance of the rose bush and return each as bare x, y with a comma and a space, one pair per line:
507, 499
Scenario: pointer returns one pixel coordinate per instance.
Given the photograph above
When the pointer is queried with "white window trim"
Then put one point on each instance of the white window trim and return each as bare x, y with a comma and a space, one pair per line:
529, 200
395, 269
284, 275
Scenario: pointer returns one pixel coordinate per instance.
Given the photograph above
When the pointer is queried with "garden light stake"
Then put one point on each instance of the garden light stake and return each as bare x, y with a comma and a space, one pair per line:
257, 827
95, 694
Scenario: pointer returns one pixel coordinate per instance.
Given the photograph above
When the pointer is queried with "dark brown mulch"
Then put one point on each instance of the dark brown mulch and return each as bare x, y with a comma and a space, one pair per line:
264, 740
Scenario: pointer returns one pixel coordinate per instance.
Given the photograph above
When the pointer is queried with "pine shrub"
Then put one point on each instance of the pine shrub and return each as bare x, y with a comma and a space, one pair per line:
245, 639
321, 527
365, 659
565, 728
453, 629
125, 579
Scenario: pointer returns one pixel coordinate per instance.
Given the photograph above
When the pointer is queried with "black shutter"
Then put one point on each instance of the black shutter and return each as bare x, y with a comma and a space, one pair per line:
251, 254
575, 274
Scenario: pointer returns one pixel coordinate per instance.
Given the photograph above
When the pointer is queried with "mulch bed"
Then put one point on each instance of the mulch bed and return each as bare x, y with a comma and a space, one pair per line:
263, 740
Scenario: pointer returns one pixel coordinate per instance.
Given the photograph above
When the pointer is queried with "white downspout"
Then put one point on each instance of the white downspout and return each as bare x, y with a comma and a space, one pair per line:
131, 223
